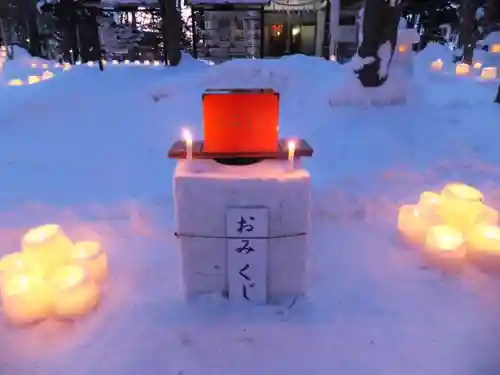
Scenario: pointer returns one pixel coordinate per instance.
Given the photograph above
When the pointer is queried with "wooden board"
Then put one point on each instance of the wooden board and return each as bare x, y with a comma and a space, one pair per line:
247, 229
178, 151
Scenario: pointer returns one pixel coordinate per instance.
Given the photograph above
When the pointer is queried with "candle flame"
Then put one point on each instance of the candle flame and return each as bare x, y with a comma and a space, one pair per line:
186, 134
477, 65
291, 146
445, 238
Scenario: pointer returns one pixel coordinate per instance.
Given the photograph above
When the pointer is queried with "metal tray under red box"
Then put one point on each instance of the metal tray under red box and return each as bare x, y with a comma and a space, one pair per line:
303, 149
240, 120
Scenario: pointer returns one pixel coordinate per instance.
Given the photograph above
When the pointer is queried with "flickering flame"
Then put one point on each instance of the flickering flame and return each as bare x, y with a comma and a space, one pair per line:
186, 134
291, 147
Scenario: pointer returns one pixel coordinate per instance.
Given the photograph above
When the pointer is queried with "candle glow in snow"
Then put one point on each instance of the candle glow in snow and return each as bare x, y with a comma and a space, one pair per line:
437, 65
462, 69
452, 225
51, 276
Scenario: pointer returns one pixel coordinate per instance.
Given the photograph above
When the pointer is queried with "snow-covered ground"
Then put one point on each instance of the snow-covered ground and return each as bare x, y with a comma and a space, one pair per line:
87, 150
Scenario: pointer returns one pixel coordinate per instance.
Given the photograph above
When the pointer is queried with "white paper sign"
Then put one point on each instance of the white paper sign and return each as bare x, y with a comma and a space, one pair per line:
247, 232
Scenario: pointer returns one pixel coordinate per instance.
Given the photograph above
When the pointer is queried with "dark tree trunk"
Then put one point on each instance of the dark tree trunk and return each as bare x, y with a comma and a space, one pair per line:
380, 24
467, 17
34, 35
171, 32
497, 99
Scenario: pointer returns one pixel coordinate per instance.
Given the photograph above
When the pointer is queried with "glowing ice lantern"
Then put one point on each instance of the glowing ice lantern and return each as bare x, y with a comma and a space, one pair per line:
412, 224
48, 245
115, 62
291, 155
188, 138
461, 205
16, 263
495, 48
489, 73
33, 79
16, 82
45, 66
90, 255
477, 65
156, 63
484, 246
437, 65
126, 62
75, 293
429, 204
147, 62
462, 69
78, 63
26, 298
90, 63
33, 65
47, 75
445, 246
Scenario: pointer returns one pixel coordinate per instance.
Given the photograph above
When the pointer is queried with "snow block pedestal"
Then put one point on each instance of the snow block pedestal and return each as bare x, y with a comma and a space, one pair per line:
242, 229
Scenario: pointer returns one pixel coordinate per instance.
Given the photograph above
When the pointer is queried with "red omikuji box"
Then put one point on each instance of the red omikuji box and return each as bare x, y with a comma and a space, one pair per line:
240, 120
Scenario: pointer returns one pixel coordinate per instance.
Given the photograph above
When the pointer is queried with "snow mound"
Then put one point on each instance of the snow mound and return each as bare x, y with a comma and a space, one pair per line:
431, 52
278, 74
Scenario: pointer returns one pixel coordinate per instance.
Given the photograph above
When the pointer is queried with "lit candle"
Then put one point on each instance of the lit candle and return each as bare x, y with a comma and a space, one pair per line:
445, 246
90, 63
45, 66
437, 65
75, 293
26, 298
477, 65
188, 138
462, 69
90, 255
66, 66
126, 62
461, 205
48, 245
495, 48
115, 62
104, 62
412, 224
489, 73
291, 155
156, 63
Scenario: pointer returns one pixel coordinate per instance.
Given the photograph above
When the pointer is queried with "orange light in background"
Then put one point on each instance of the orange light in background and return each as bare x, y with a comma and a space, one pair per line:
402, 48
495, 48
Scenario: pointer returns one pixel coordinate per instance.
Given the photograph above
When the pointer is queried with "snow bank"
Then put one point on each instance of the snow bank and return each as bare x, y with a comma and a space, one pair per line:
431, 52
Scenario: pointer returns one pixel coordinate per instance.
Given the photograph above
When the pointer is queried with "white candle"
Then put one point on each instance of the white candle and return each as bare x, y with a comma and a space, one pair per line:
188, 138
291, 155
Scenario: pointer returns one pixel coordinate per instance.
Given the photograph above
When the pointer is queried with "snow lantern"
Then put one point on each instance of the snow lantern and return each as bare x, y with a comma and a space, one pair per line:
242, 201
492, 43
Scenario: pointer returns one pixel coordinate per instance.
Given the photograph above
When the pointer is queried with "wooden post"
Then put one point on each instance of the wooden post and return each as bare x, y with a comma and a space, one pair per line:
334, 27
380, 26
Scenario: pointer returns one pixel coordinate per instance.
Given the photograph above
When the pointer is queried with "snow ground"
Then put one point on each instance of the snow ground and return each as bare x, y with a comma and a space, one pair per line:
87, 150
